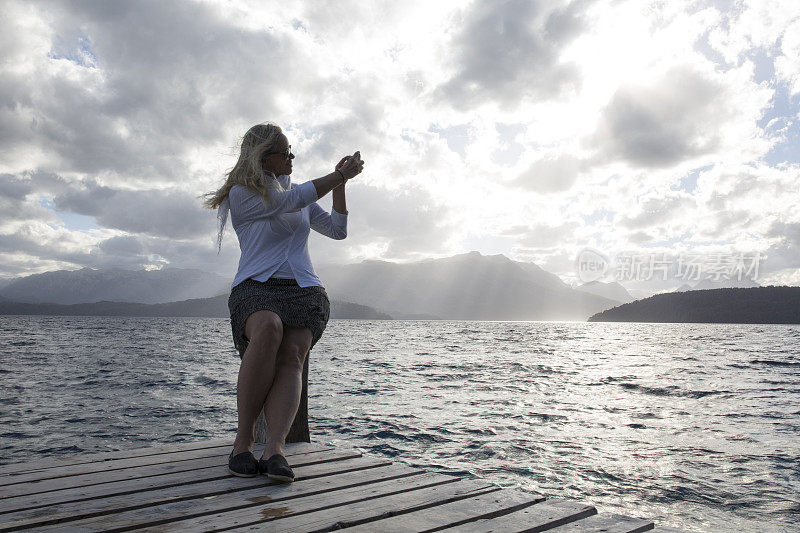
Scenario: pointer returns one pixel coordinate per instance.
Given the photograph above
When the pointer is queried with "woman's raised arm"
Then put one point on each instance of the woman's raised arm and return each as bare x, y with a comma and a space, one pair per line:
248, 205
348, 167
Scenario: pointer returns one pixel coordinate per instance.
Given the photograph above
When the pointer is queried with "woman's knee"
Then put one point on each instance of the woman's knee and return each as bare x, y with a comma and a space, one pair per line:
292, 353
264, 326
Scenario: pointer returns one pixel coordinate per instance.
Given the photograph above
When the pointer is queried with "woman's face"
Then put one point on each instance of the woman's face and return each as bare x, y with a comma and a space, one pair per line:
275, 161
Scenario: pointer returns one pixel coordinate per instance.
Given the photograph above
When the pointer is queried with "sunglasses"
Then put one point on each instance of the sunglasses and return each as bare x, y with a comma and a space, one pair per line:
287, 154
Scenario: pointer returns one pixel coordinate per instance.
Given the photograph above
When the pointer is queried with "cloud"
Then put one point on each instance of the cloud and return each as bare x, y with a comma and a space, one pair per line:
37, 244
14, 203
506, 52
545, 235
38, 247
472, 118
787, 65
123, 245
784, 253
675, 117
373, 226
163, 77
658, 211
787, 230
173, 214
12, 188
550, 174
740, 203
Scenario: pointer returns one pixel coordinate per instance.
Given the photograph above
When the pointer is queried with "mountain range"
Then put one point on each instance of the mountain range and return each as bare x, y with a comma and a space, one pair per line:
117, 285
753, 305
467, 286
612, 290
216, 307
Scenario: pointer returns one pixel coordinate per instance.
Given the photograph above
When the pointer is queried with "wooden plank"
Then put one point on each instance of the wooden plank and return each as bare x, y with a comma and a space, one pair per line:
253, 495
54, 462
216, 470
542, 516
607, 522
328, 504
95, 478
368, 510
187, 487
142, 460
113, 504
490, 505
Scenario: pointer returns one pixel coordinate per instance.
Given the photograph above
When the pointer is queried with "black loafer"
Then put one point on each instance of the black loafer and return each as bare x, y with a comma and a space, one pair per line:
243, 464
276, 468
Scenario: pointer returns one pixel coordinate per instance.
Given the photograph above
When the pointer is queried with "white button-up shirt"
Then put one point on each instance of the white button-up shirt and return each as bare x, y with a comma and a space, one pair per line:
270, 236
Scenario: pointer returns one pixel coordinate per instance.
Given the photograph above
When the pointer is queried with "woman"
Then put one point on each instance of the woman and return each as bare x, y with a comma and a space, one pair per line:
278, 305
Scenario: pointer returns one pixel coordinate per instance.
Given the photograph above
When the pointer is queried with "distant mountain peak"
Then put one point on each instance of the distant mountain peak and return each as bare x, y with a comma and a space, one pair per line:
87, 285
465, 286
474, 254
611, 289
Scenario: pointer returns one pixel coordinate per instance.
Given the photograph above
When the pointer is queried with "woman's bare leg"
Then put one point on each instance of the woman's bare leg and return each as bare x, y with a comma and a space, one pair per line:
264, 329
284, 396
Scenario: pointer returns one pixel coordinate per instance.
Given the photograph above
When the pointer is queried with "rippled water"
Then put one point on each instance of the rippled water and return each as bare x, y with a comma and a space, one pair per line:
692, 425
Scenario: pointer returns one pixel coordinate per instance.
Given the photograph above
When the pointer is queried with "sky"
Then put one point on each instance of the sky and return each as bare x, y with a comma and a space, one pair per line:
541, 130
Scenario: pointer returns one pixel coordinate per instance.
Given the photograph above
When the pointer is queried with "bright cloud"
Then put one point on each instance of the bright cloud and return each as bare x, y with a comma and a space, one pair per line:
530, 128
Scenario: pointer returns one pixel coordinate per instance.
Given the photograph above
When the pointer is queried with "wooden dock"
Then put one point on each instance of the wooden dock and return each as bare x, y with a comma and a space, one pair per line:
187, 487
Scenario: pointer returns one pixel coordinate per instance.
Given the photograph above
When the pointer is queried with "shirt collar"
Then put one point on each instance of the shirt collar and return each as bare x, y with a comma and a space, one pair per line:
285, 180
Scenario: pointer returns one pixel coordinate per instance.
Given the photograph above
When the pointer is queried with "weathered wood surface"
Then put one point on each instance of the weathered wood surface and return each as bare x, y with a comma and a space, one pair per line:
187, 487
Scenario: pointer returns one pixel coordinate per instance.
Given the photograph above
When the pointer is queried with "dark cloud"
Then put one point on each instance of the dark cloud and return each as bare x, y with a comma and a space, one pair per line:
788, 230
48, 182
26, 243
509, 51
161, 251
13, 188
133, 252
123, 245
678, 116
154, 212
13, 195
139, 84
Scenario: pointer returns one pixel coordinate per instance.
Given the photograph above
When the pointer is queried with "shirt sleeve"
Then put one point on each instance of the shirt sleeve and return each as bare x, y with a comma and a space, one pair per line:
333, 224
248, 205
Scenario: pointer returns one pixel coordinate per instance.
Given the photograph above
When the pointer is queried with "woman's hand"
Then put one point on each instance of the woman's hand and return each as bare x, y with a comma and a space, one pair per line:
347, 168
351, 166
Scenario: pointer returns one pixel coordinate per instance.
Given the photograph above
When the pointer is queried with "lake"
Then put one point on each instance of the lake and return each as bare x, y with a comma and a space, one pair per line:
695, 426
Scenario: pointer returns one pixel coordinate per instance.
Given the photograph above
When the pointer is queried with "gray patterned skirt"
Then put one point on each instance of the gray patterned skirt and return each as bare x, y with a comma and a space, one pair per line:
296, 306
